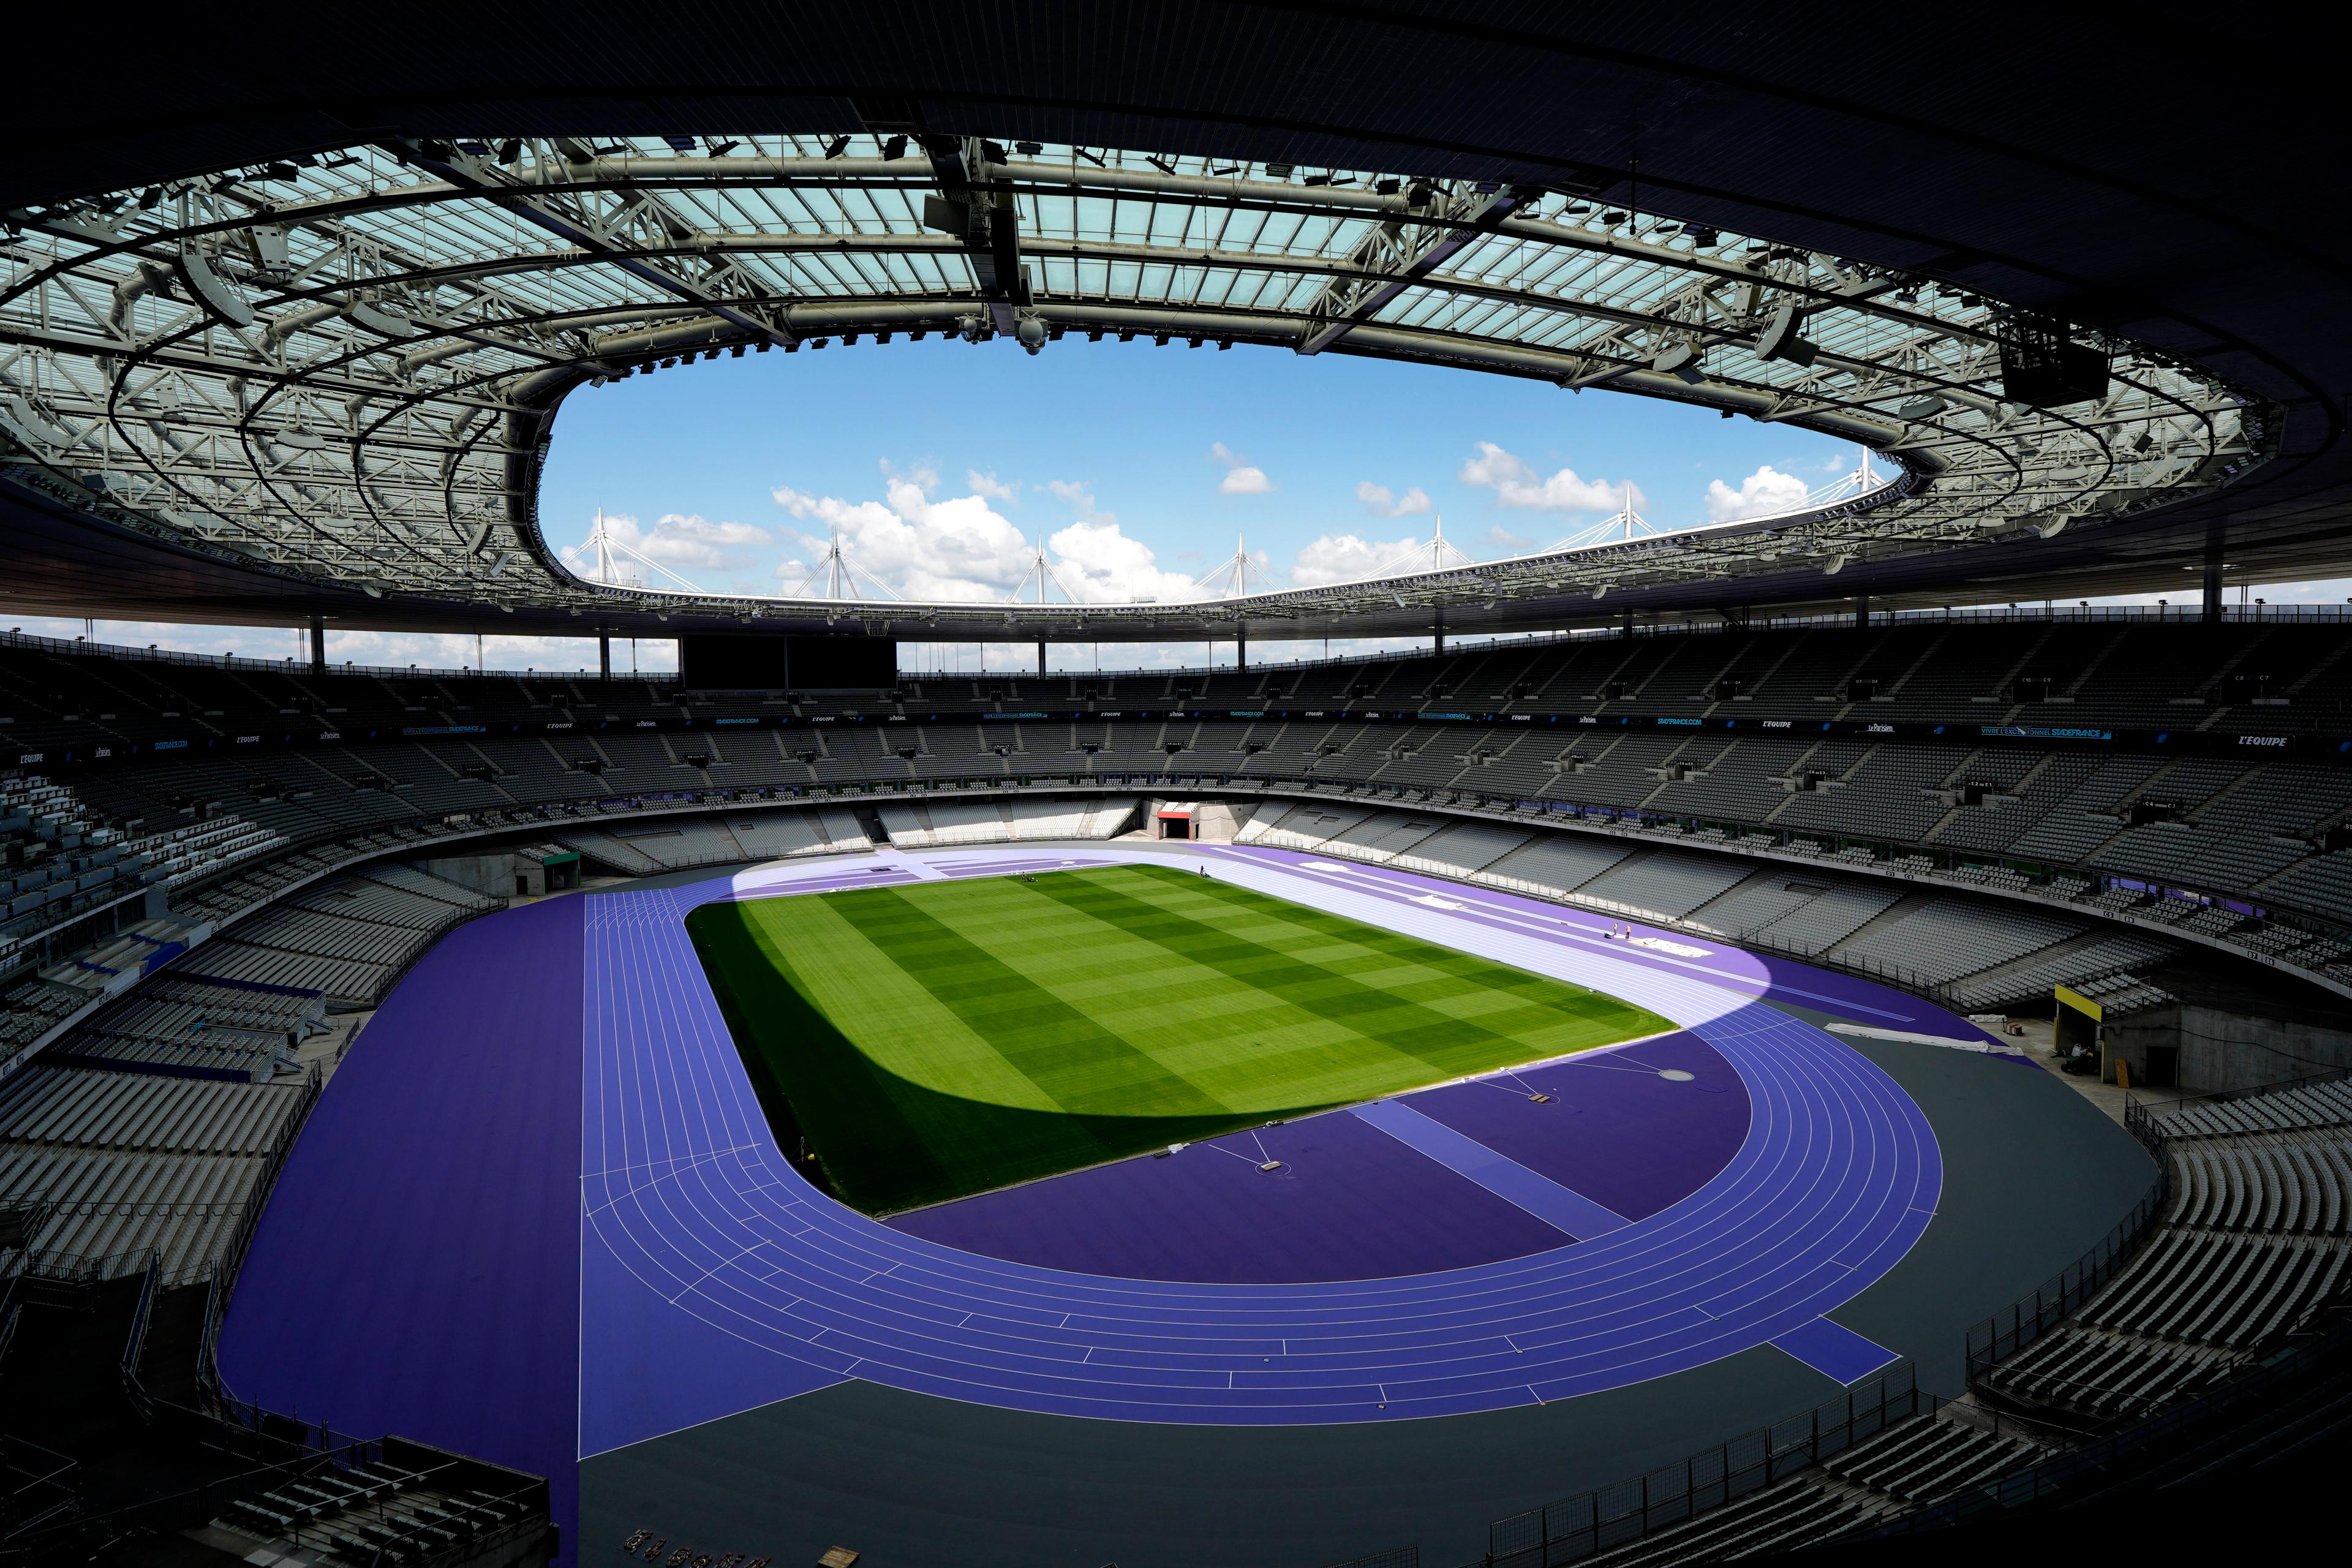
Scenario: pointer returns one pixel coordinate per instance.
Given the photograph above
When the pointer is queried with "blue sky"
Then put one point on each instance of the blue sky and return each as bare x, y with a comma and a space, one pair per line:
1322, 466
942, 461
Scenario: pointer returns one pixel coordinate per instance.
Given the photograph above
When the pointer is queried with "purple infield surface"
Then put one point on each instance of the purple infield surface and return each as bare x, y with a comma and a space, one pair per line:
482, 1241
1349, 1203
1613, 1129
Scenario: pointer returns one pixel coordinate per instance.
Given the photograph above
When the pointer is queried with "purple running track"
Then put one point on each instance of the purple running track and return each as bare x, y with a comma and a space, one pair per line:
1835, 1179
417, 1270
422, 1268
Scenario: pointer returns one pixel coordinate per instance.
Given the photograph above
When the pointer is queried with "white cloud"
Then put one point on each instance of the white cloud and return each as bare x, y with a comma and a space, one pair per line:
1078, 493
395, 650
1241, 478
1379, 499
456, 651
963, 551
1343, 557
1503, 536
1760, 494
1101, 564
957, 549
686, 539
988, 485
1517, 485
1104, 566
2329, 591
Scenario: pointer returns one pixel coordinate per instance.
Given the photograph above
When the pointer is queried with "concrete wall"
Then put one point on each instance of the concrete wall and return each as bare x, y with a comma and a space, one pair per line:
2225, 1050
493, 874
1217, 821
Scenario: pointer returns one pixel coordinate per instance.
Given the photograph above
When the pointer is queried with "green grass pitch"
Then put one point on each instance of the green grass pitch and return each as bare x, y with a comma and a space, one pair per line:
938, 1039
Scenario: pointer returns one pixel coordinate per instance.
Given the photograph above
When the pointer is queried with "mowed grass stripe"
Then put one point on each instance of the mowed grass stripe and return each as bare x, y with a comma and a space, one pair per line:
881, 1141
832, 961
945, 1038
1460, 1014
1241, 1045
1064, 1052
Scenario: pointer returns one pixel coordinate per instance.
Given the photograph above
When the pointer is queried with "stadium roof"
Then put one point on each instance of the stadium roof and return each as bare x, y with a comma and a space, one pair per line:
320, 375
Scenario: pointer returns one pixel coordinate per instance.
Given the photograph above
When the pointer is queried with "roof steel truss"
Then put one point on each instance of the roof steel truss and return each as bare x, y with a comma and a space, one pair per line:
347, 369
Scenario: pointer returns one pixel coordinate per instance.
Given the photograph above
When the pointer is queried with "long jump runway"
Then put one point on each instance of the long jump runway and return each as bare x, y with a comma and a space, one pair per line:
684, 1188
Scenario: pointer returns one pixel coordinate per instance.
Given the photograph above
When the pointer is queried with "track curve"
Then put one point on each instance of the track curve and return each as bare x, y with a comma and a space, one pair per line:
681, 1179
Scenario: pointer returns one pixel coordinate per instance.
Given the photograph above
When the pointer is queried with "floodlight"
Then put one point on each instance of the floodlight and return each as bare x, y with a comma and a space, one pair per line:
894, 147
1678, 359
836, 147
1778, 341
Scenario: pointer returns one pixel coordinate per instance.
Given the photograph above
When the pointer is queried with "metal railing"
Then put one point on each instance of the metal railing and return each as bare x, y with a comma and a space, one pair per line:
2148, 1124
2121, 1453
37, 1486
1993, 615
300, 665
1880, 620
55, 1265
1575, 1528
134, 1344
2018, 1325
230, 1260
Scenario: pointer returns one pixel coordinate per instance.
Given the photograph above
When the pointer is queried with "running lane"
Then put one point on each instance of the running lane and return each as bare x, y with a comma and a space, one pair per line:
1836, 1177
